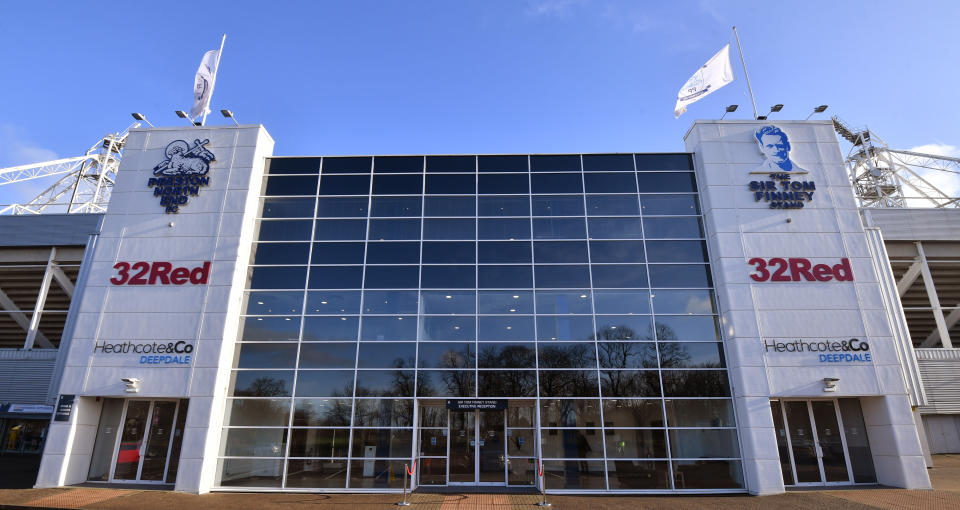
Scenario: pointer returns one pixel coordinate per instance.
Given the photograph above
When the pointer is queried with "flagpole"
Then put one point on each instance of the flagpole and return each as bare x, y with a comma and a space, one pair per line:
217, 70
744, 62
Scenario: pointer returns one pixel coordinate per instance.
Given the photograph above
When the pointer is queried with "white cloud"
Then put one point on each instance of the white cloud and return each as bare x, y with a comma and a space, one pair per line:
947, 182
16, 149
551, 7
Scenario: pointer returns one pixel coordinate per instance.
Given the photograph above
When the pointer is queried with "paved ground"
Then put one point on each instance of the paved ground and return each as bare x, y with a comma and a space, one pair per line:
945, 477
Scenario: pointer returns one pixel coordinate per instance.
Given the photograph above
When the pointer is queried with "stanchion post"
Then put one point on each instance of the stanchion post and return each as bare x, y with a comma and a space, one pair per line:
543, 484
406, 471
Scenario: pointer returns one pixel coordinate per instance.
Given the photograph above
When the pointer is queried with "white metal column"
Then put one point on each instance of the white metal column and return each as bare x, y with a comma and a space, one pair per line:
942, 328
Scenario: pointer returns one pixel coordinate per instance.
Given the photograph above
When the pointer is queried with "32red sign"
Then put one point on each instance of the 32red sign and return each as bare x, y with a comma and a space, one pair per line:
792, 269
151, 273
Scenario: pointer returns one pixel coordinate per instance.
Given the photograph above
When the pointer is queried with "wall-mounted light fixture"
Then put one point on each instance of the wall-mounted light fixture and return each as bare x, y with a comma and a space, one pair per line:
830, 384
133, 384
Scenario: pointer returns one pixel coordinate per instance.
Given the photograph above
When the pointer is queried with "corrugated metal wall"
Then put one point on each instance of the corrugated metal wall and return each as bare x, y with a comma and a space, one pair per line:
940, 371
26, 375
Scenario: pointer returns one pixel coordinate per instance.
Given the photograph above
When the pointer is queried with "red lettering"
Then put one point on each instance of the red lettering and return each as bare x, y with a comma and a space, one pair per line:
138, 279
778, 275
842, 271
822, 273
181, 274
160, 270
123, 269
792, 269
800, 267
200, 274
761, 267
162, 273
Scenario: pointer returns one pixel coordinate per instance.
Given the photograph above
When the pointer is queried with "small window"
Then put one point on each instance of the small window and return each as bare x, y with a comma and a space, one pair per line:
557, 183
396, 206
397, 185
666, 182
337, 253
652, 162
495, 184
450, 206
397, 164
448, 164
502, 163
558, 205
555, 163
345, 185
504, 206
451, 184
393, 253
291, 185
503, 252
293, 165
449, 252
349, 165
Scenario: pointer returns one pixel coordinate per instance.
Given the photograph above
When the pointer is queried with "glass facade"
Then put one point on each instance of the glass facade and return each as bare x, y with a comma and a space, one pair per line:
576, 287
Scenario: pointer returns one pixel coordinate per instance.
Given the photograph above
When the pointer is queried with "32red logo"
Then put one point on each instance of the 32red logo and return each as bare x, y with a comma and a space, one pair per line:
792, 269
151, 273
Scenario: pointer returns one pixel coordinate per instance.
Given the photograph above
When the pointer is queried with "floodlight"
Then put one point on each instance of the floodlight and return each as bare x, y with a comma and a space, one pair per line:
182, 114
820, 109
730, 109
776, 108
228, 114
139, 116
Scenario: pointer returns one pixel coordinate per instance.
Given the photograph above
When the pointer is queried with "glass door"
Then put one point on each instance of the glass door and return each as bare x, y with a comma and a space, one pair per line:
463, 445
143, 450
478, 449
491, 449
814, 441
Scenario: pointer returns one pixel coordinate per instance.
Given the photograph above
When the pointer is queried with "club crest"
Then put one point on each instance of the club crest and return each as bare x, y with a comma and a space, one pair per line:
181, 174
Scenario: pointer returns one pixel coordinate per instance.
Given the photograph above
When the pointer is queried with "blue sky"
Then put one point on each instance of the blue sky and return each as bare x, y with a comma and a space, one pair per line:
491, 76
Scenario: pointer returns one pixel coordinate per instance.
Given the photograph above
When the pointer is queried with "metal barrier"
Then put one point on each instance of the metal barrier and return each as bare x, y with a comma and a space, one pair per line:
543, 484
407, 471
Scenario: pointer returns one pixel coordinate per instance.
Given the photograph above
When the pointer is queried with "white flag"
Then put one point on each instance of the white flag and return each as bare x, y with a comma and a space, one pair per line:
203, 85
713, 75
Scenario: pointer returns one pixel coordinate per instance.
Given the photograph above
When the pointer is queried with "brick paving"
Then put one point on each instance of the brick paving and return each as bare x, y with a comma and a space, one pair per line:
945, 477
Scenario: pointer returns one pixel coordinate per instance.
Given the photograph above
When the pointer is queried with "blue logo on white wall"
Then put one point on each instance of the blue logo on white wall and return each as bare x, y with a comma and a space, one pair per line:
780, 191
854, 350
181, 174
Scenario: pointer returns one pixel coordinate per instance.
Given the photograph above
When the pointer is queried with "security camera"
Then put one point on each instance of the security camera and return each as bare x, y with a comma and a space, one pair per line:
133, 384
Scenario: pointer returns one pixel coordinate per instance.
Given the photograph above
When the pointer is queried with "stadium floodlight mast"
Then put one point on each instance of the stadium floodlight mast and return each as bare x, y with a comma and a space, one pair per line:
730, 109
820, 109
773, 109
183, 115
229, 115
140, 116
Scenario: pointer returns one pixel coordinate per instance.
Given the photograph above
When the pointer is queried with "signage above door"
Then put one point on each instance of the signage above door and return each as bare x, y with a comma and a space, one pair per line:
460, 404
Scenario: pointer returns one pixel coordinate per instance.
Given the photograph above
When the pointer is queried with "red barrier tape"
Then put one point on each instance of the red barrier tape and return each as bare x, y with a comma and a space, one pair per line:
540, 468
412, 469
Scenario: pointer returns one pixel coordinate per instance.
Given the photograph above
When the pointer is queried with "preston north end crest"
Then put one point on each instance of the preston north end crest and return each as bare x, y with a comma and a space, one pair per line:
182, 159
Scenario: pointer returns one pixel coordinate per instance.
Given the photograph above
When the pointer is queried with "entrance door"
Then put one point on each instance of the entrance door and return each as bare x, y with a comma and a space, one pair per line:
149, 430
810, 433
477, 448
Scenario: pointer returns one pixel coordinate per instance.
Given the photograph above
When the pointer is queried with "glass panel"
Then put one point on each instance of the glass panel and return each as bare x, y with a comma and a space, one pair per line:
632, 413
495, 184
450, 206
503, 251
337, 230
636, 443
333, 302
328, 355
446, 383
447, 355
385, 383
447, 328
390, 301
396, 207
462, 447
559, 228
317, 473
352, 207
507, 383
324, 383
393, 253
568, 383
691, 355
503, 355
261, 383
451, 184
173, 466
630, 383
505, 301
802, 443
613, 205
319, 442
705, 443
557, 276
440, 277
557, 183
677, 251
442, 228
687, 301
336, 277
503, 206
786, 469
448, 252
382, 230
855, 432
282, 253
624, 327
568, 355
638, 474
505, 328
521, 471
563, 302
627, 355
381, 443
277, 277
267, 473
291, 185
687, 327
376, 474
829, 438
707, 474
559, 205
622, 301
560, 251
433, 442
384, 413
614, 228
433, 416
502, 163
520, 442
647, 162
669, 204
293, 165
284, 230
555, 163
322, 412
347, 165
619, 276
452, 163
448, 302
397, 184
607, 162
491, 446
268, 355
258, 442
375, 328
131, 439
571, 444
317, 329
616, 251
397, 164
570, 413
503, 228
574, 475
270, 329
610, 183
345, 185
520, 414
700, 413
103, 445
695, 383
387, 355
258, 413
663, 182
672, 228
337, 253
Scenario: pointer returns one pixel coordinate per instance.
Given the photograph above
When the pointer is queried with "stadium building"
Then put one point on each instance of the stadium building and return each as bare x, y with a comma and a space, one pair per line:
724, 319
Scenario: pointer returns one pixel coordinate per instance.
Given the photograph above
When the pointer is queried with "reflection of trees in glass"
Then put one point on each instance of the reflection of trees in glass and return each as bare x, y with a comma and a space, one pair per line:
568, 356
630, 383
507, 383
398, 383
570, 413
507, 356
619, 332
385, 412
329, 412
399, 362
627, 354
453, 358
673, 355
633, 413
264, 387
568, 383
459, 382
695, 383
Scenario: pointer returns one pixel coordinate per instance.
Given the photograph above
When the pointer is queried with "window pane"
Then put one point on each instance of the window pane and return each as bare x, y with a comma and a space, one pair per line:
501, 355
709, 474
284, 230
337, 230
613, 205
615, 228
348, 165
261, 383
503, 251
495, 228
281, 253
390, 301
562, 276
268, 355
394, 229
663, 182
691, 355
698, 444
630, 383
319, 443
333, 302
563, 301
273, 303
434, 228
624, 327
253, 442
502, 163
567, 355
557, 183
321, 412
259, 329
680, 275
446, 355
610, 183
287, 207
293, 165
277, 277
616, 251
249, 472
447, 328
324, 383
383, 443
440, 277
335, 277
449, 301
687, 327
446, 383
258, 413
342, 207
397, 184
387, 355
677, 251
622, 301
560, 251
568, 383
451, 164
627, 354
385, 383
291, 185
638, 474
565, 327
647, 162
574, 474
559, 205
494, 184
673, 228
345, 185
392, 277
389, 328
337, 253
559, 228
507, 383
688, 301
695, 383
700, 413
636, 443
619, 276
325, 329
384, 412
632, 413
669, 204
328, 355
450, 206
505, 328
505, 301
555, 163
449, 252
451, 184
608, 162
393, 253
503, 206
396, 206
504, 276
570, 413
572, 444
397, 164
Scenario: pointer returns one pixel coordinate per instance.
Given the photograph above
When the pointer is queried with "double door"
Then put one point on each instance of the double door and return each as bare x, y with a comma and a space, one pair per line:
477, 448
813, 447
138, 441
